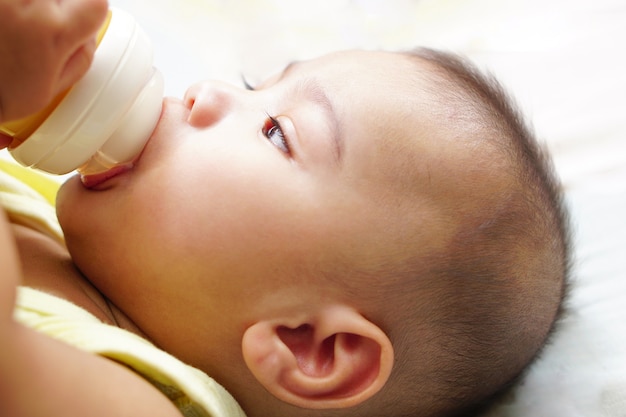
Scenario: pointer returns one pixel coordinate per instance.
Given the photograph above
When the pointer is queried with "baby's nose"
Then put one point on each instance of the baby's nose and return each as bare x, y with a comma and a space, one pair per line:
209, 102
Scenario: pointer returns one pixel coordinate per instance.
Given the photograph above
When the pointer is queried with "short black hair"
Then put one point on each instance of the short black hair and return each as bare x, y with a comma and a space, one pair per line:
491, 333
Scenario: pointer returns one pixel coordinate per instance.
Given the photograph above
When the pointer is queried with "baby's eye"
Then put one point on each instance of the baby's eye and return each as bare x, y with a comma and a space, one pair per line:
273, 131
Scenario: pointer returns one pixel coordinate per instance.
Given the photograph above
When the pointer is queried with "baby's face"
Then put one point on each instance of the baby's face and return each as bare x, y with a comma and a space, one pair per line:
327, 168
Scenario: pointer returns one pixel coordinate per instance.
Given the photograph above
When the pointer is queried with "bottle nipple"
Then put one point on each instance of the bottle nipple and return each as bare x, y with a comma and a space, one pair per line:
106, 118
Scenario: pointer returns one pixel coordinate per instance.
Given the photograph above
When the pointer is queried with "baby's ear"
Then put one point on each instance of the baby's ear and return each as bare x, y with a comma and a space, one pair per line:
333, 358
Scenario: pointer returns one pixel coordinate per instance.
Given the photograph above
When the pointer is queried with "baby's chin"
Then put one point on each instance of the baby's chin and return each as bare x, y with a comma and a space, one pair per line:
65, 194
80, 213
90, 254
67, 199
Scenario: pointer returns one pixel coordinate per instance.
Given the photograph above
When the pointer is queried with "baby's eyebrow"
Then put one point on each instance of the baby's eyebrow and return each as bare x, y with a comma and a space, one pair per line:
311, 90
288, 68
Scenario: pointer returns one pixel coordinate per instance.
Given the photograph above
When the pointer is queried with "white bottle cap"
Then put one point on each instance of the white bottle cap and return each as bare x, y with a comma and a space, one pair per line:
107, 117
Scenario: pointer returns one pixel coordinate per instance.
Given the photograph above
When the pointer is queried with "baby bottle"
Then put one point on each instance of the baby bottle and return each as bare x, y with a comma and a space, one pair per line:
106, 118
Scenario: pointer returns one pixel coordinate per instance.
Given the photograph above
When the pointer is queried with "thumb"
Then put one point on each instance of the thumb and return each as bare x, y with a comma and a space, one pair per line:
76, 66
82, 20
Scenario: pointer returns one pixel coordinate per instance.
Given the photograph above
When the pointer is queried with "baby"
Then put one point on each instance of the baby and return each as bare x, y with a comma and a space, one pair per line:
365, 234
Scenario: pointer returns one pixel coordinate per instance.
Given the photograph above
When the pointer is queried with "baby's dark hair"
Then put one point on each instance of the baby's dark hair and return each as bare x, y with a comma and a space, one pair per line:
503, 280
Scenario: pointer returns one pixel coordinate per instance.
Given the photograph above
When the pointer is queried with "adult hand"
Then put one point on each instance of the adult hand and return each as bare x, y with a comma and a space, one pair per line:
45, 47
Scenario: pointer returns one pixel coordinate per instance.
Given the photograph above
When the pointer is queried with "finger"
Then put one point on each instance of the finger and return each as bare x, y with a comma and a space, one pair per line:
82, 18
76, 66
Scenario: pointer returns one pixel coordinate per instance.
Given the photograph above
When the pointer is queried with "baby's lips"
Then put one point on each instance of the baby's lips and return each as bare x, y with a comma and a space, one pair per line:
97, 181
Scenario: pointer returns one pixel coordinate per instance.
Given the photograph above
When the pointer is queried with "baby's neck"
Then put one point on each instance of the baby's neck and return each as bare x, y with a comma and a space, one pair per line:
47, 266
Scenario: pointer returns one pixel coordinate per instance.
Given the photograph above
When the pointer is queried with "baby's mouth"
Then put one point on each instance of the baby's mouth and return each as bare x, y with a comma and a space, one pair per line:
98, 181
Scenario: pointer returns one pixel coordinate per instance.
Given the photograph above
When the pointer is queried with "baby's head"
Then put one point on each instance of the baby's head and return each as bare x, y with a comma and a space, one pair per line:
367, 233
